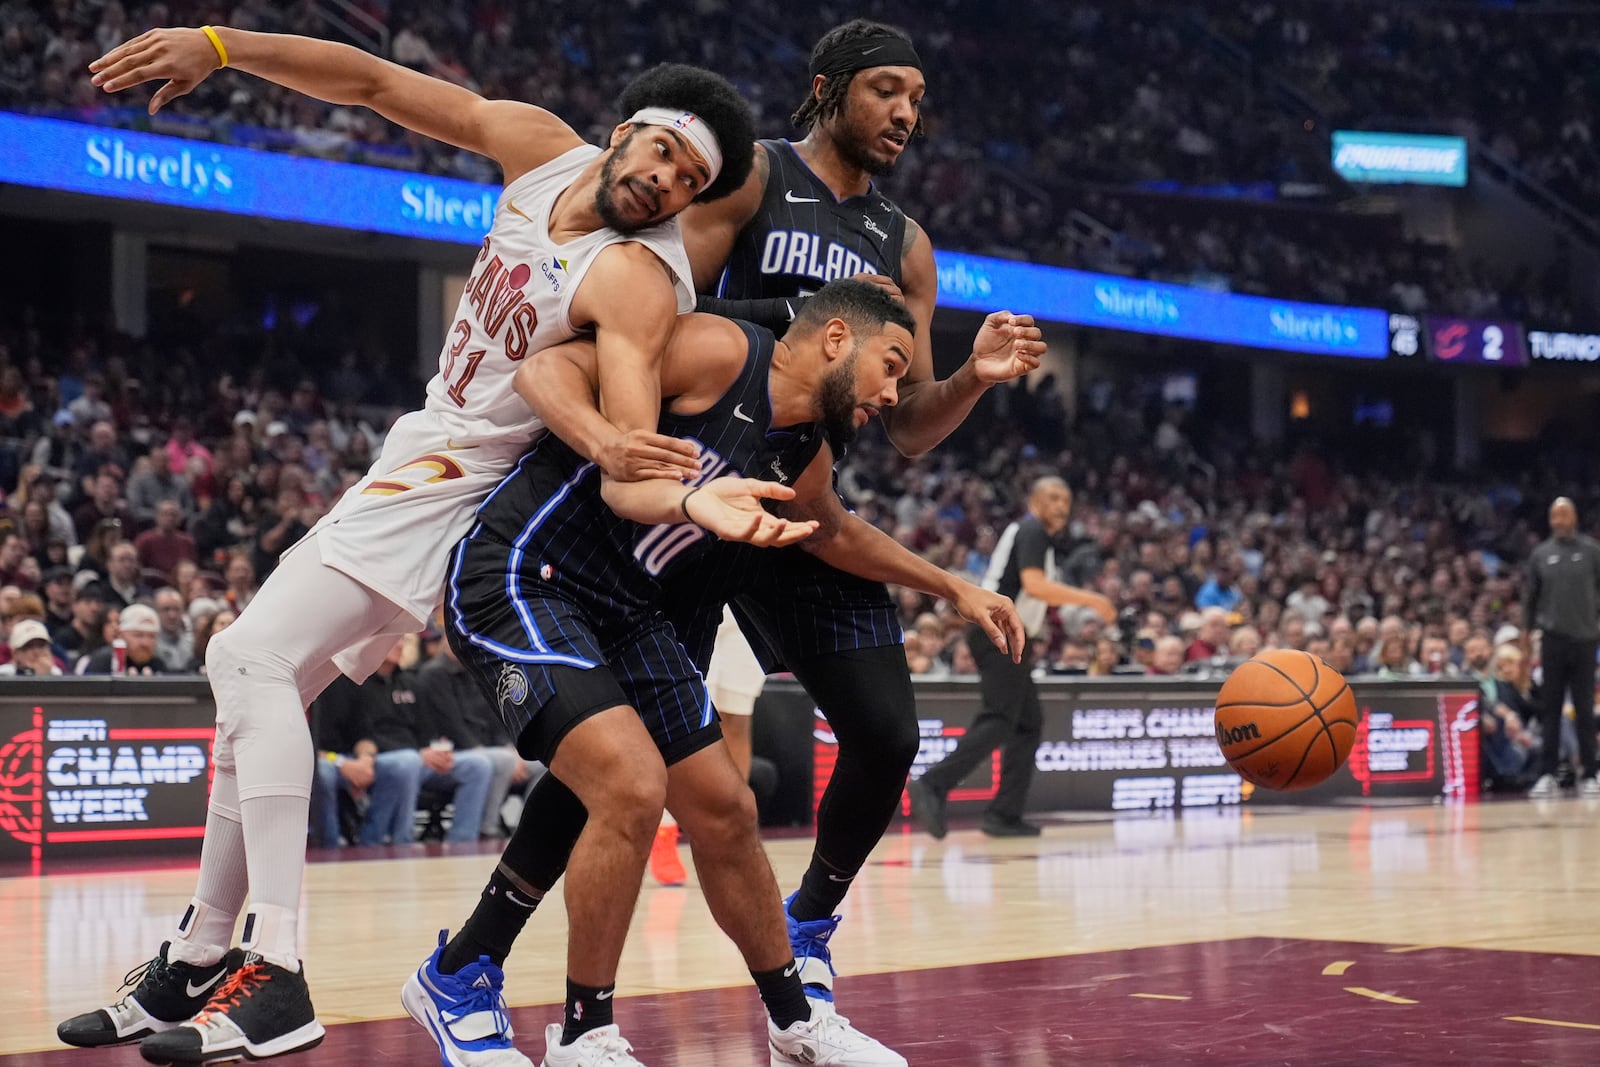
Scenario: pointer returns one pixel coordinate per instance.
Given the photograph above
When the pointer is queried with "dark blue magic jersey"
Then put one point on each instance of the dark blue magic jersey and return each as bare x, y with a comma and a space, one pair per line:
802, 238
550, 512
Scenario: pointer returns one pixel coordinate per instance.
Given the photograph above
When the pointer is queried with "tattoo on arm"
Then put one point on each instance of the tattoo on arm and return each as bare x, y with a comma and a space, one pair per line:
913, 231
763, 168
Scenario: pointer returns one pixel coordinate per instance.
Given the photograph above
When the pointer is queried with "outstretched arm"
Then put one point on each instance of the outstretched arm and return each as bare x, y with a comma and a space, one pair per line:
731, 508
1007, 347
517, 136
853, 545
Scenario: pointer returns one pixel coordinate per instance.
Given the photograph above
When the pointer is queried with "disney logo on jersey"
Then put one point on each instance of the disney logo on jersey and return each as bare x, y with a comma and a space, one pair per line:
873, 227
809, 255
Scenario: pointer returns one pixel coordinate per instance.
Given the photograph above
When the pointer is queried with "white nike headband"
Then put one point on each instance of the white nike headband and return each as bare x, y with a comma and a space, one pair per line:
693, 129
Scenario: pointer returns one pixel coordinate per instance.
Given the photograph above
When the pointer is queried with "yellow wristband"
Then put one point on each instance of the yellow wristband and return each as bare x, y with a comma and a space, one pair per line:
216, 42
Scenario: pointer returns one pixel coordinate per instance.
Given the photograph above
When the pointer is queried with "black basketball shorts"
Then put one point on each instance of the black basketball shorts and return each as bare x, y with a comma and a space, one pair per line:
790, 605
548, 661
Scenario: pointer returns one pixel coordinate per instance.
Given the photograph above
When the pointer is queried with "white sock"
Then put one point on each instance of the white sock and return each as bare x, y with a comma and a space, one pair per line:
205, 929
262, 670
272, 932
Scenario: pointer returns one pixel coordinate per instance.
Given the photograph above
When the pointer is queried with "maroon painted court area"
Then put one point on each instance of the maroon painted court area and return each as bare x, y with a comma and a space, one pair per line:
1251, 1001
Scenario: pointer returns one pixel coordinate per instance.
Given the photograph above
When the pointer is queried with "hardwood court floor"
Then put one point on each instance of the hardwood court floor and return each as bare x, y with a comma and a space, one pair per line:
1325, 936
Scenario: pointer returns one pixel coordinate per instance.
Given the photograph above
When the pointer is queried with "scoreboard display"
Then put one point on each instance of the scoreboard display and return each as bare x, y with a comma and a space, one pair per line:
1482, 342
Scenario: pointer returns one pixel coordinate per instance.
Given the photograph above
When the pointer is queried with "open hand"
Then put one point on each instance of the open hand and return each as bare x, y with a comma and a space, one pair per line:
731, 509
1007, 347
183, 57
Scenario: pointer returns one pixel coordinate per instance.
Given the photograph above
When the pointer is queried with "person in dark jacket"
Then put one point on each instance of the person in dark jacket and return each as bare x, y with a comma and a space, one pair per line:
407, 749
1562, 600
448, 697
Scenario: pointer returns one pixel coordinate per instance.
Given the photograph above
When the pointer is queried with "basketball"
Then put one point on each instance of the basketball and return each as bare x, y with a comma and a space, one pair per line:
1286, 720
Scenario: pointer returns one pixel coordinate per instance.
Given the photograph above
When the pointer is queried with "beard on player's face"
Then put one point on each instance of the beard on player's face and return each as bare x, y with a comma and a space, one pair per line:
614, 190
855, 130
836, 400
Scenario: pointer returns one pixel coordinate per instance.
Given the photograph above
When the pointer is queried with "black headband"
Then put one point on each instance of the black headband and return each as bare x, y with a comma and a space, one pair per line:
884, 50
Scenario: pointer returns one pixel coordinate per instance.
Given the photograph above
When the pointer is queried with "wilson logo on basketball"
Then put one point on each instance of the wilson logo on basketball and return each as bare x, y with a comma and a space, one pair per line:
1247, 732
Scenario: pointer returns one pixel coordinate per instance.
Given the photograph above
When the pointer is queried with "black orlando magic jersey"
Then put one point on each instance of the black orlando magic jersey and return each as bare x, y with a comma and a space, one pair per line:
563, 535
802, 237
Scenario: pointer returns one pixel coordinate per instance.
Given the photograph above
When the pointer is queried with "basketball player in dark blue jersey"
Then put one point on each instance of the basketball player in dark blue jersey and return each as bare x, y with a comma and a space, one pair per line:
553, 605
810, 211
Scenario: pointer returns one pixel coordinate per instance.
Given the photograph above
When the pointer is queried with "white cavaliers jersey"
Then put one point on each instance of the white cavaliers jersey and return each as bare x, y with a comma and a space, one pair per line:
393, 530
518, 298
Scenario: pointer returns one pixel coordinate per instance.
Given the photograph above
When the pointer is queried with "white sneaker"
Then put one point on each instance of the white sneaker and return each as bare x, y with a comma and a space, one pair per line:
605, 1047
1589, 788
1546, 786
827, 1038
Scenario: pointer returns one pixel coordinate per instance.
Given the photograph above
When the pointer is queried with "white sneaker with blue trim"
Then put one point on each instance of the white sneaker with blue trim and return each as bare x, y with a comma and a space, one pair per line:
465, 1013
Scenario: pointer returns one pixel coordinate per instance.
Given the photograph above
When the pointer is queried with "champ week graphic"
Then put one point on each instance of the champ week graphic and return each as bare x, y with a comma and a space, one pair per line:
101, 779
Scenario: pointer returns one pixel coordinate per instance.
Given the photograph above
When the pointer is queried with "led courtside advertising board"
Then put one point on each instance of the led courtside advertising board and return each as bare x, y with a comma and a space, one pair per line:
979, 283
1132, 746
1400, 158
100, 161
95, 777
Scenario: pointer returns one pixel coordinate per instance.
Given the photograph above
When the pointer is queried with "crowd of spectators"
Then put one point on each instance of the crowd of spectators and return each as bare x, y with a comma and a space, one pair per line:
1522, 79
147, 495
1121, 98
126, 519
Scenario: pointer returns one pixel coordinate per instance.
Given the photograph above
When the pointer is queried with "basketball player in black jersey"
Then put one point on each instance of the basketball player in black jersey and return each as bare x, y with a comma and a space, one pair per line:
809, 213
553, 605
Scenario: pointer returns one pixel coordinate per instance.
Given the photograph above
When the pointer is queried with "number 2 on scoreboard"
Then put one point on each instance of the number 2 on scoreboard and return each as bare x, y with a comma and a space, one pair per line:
457, 390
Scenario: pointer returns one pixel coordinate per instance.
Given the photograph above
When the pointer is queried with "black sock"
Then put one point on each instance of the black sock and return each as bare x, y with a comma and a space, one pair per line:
588, 1008
783, 994
503, 909
534, 858
822, 890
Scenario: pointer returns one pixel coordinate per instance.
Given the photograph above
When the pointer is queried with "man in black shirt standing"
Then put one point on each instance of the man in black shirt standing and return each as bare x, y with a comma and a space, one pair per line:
1023, 567
1563, 602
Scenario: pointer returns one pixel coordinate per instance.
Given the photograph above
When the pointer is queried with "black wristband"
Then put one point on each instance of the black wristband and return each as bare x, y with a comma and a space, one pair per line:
775, 313
683, 505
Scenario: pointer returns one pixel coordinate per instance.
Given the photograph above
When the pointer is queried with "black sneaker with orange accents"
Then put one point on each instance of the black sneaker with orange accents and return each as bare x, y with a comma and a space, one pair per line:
261, 1010
164, 993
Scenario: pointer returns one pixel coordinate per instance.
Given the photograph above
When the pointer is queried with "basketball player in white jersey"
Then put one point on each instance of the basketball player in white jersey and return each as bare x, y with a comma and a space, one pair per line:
582, 238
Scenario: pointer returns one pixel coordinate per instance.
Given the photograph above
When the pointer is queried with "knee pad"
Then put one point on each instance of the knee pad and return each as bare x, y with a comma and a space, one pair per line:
889, 736
249, 683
